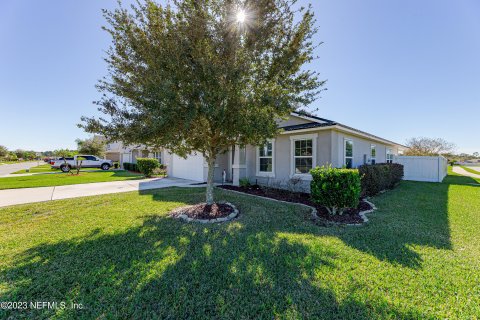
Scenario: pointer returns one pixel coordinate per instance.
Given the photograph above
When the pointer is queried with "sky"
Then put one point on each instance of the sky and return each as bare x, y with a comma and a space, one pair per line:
396, 69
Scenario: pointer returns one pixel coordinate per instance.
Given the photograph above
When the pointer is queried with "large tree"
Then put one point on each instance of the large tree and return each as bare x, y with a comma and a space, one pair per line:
203, 75
94, 146
429, 147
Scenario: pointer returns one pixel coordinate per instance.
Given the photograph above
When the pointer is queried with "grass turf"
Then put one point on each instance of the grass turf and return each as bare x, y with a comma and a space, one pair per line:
38, 169
61, 179
120, 256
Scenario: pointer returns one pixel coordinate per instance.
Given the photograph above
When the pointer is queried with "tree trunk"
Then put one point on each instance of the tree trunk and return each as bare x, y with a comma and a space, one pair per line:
211, 171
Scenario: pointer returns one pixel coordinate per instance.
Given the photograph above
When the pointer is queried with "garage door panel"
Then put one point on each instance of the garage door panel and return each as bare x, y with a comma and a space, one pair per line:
190, 168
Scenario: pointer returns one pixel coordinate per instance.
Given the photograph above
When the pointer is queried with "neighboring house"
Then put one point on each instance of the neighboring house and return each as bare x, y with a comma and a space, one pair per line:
305, 142
116, 151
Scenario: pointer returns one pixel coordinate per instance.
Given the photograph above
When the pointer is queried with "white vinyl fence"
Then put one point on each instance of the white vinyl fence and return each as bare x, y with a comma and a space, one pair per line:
431, 169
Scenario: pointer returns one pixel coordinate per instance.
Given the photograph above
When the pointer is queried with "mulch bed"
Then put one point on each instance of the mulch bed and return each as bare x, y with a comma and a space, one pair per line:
350, 216
204, 211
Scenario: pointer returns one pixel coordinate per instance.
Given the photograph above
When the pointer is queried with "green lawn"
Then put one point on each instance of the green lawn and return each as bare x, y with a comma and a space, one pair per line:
120, 256
61, 179
38, 169
475, 170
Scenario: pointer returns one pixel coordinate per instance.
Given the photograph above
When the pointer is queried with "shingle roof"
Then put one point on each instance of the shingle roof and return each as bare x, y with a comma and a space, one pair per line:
328, 123
307, 126
311, 116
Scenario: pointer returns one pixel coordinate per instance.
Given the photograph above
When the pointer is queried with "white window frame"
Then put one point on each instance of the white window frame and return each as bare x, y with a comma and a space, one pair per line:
373, 158
345, 151
264, 173
313, 137
387, 153
157, 155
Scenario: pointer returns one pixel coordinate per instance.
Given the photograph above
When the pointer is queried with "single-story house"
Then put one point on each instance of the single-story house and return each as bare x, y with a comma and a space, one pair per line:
305, 141
116, 151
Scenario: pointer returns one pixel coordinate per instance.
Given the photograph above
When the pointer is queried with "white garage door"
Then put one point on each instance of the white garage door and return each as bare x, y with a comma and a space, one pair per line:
190, 168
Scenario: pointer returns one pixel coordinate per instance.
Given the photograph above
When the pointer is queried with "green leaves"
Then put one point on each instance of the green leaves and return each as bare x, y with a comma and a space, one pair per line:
336, 189
187, 77
147, 166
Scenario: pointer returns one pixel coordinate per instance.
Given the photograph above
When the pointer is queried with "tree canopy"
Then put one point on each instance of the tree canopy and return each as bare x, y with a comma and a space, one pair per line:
429, 147
94, 146
192, 76
3, 151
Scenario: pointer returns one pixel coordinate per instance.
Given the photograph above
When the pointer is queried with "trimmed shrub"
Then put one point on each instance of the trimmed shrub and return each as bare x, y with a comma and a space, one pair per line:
130, 166
244, 183
147, 165
336, 189
379, 177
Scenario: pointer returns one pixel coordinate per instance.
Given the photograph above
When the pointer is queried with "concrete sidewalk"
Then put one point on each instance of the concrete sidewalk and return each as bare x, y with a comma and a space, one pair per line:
464, 172
29, 195
6, 169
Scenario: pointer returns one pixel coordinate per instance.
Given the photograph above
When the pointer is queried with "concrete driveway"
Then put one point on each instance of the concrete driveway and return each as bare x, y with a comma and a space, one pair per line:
9, 168
28, 195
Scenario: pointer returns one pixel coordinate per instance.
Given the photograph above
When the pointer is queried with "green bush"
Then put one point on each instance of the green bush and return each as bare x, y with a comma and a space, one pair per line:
336, 189
130, 166
379, 177
244, 183
147, 165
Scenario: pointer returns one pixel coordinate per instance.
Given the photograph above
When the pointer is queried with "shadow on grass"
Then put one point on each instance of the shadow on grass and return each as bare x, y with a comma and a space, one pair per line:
168, 269
415, 213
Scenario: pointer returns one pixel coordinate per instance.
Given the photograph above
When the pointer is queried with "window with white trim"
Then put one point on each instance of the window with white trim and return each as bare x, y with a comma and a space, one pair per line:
265, 159
158, 156
303, 156
348, 144
389, 156
373, 154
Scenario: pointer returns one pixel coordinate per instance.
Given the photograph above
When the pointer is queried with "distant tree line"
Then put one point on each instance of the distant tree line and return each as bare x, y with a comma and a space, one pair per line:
93, 146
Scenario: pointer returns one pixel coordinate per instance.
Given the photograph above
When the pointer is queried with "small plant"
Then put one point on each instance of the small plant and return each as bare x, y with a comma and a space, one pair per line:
161, 171
244, 183
336, 189
147, 166
79, 164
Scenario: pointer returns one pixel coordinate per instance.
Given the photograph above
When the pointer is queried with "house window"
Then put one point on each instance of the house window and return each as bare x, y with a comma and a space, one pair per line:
158, 156
373, 154
265, 155
389, 156
303, 156
348, 154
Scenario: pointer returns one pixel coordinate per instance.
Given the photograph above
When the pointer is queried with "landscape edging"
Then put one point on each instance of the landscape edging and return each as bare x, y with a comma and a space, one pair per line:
362, 214
230, 217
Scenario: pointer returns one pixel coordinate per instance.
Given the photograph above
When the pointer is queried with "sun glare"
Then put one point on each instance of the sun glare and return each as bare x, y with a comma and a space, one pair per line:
241, 16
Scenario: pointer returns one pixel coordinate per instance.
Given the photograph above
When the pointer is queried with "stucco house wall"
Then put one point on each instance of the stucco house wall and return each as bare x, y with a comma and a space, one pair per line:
329, 150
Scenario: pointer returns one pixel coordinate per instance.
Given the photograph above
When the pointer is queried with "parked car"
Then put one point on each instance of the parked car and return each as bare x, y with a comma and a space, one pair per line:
88, 161
52, 160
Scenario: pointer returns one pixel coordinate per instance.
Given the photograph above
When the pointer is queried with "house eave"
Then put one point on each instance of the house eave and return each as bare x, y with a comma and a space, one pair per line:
345, 129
